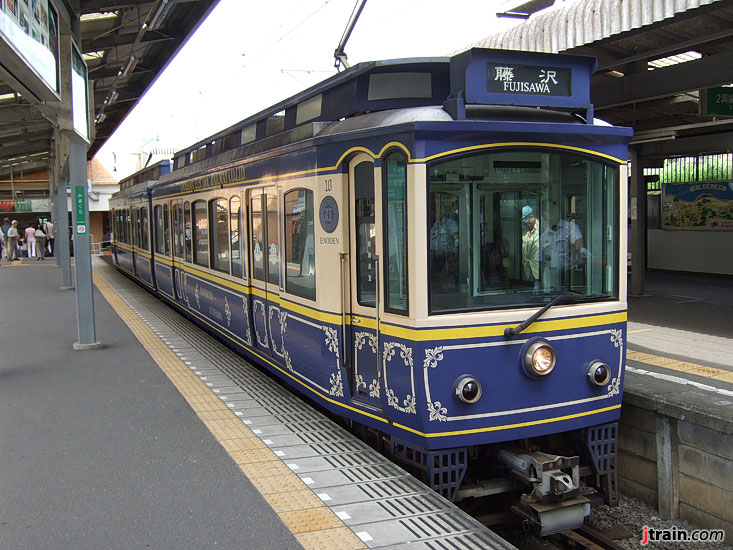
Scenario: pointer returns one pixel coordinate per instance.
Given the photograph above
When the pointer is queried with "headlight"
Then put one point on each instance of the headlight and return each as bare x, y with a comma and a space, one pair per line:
599, 373
468, 389
539, 359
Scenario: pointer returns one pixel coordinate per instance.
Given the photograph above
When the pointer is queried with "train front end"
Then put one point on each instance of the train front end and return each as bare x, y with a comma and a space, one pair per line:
519, 337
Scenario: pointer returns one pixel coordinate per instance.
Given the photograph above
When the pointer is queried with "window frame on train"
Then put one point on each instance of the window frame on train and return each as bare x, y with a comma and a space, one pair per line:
219, 243
302, 284
498, 197
395, 238
200, 211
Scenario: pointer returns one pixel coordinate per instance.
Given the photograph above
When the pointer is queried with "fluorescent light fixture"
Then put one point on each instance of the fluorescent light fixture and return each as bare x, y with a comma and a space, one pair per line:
112, 97
130, 66
158, 17
674, 60
101, 117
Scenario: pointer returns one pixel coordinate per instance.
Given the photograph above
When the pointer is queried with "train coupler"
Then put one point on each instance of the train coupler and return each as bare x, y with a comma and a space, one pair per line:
547, 518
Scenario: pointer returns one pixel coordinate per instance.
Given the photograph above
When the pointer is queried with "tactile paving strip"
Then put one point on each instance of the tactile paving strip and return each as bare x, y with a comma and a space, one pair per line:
331, 489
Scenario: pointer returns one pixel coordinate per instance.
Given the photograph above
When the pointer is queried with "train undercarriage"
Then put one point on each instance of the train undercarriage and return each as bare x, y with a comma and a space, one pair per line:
548, 483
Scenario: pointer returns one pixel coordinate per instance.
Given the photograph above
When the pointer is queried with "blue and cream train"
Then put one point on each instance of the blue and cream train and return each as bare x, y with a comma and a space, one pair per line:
429, 248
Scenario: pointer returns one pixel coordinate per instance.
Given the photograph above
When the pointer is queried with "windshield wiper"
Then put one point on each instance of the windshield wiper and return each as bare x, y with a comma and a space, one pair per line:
513, 331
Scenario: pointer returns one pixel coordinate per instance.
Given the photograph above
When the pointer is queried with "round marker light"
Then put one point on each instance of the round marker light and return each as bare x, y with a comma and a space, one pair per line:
468, 389
599, 373
540, 359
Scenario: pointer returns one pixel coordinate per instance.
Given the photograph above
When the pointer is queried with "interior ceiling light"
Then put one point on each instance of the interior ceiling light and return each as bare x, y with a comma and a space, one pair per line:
674, 60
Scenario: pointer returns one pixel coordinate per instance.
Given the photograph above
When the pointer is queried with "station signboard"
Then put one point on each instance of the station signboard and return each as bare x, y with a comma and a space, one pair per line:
719, 101
29, 45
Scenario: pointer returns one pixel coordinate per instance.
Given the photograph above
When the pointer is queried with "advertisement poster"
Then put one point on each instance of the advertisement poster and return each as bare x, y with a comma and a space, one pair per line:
697, 206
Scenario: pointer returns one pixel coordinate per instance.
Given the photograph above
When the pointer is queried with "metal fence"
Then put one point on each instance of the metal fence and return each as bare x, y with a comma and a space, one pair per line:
710, 167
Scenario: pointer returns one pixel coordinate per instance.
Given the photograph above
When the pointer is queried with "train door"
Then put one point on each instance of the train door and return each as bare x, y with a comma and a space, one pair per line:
363, 341
178, 238
265, 261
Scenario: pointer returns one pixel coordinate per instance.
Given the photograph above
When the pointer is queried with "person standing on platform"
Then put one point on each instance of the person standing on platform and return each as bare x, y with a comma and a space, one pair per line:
12, 241
4, 230
50, 236
30, 240
40, 243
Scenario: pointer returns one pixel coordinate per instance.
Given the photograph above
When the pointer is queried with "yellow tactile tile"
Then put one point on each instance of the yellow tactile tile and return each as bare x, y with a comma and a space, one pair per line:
679, 366
293, 500
314, 524
252, 455
277, 484
342, 538
726, 377
311, 519
265, 469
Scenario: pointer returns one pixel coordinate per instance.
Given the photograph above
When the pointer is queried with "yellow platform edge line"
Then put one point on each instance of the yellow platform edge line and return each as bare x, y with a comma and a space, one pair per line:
679, 366
315, 519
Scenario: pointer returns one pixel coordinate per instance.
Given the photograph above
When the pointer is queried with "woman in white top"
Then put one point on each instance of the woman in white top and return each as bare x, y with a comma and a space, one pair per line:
30, 240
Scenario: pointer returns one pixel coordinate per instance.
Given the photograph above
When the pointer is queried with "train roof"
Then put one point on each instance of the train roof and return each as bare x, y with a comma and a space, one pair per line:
139, 182
475, 79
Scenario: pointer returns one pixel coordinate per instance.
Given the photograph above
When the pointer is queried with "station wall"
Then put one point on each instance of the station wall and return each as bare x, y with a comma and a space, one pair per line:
694, 251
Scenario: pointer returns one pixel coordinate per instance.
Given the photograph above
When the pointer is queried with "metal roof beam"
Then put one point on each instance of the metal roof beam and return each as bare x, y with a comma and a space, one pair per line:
113, 41
714, 70
13, 151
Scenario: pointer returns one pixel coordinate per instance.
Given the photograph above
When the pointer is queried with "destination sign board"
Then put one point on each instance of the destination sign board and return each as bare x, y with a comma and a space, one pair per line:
516, 78
507, 78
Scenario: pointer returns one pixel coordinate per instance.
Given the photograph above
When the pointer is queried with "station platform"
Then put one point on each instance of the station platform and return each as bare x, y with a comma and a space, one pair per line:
165, 438
144, 443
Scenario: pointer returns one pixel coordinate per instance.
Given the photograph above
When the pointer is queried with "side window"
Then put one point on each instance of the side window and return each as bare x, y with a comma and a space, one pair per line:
395, 235
273, 241
235, 224
144, 229
166, 230
366, 280
219, 223
159, 230
178, 230
300, 254
258, 238
200, 234
187, 229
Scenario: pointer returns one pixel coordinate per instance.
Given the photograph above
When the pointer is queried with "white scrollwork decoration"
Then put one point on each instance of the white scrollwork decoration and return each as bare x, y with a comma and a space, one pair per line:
227, 311
245, 308
360, 382
437, 412
374, 389
198, 297
433, 357
332, 340
389, 352
614, 388
337, 386
261, 305
617, 337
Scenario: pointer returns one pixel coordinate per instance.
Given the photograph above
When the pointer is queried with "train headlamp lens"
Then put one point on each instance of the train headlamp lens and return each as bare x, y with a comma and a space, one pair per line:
468, 389
540, 359
599, 373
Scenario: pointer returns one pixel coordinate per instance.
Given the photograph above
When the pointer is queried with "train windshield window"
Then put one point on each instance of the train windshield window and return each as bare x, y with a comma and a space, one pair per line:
300, 254
517, 228
201, 234
395, 236
219, 216
235, 225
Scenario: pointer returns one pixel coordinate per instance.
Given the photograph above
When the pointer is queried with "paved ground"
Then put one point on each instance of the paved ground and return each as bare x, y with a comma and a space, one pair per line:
98, 449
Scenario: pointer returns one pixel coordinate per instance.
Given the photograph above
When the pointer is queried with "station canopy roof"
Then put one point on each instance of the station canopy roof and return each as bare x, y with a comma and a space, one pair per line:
123, 61
656, 59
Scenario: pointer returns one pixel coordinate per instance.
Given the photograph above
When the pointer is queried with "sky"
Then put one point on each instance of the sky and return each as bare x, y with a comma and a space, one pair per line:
249, 55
